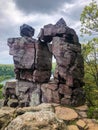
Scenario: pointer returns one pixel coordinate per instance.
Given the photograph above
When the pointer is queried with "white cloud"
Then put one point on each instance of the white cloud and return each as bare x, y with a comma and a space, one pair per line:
12, 16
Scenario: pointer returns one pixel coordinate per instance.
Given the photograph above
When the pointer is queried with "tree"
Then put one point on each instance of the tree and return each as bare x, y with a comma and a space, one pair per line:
90, 54
89, 19
89, 25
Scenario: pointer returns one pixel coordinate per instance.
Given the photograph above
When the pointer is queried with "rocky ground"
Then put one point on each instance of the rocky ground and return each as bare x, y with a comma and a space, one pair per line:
46, 117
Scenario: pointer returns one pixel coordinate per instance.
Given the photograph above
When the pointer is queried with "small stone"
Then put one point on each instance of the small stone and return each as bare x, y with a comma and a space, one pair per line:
82, 108
72, 127
64, 89
91, 125
65, 113
66, 101
80, 123
26, 30
82, 114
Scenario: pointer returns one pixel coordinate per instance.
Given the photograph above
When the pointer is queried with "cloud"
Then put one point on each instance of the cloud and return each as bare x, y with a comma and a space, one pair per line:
40, 6
36, 13
5, 57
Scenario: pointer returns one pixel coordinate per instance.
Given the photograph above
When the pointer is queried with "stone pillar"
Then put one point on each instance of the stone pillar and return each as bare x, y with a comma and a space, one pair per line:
67, 88
69, 71
32, 61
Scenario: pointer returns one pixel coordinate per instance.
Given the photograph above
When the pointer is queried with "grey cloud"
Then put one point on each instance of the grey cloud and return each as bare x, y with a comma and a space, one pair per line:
40, 6
76, 12
73, 13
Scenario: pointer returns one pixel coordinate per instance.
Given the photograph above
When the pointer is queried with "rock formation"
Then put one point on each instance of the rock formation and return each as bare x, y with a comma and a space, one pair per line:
33, 62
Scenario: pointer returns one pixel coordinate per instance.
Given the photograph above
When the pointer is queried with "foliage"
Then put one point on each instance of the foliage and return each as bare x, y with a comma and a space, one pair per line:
1, 86
92, 112
6, 72
1, 95
53, 67
89, 25
89, 19
90, 54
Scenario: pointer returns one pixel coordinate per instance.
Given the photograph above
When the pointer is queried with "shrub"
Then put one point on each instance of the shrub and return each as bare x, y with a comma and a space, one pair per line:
93, 112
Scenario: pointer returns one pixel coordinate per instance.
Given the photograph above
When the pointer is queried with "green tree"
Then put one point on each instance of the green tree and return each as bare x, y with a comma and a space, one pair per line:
89, 26
89, 19
90, 54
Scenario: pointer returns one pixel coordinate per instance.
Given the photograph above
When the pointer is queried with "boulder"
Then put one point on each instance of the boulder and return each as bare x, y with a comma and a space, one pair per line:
35, 95
43, 120
65, 113
91, 124
6, 115
72, 127
23, 51
9, 93
81, 124
48, 95
26, 30
40, 76
28, 93
64, 89
41, 107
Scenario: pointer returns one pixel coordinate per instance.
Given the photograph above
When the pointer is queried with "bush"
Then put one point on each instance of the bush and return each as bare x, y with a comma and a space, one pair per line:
1, 86
93, 112
1, 94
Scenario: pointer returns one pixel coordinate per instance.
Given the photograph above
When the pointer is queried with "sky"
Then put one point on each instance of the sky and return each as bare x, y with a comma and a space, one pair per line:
36, 13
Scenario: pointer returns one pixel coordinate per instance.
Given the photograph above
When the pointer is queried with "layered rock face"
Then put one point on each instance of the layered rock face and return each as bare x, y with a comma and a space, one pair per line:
33, 61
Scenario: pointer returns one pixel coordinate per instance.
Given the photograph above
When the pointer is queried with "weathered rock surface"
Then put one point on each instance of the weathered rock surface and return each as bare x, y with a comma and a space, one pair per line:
72, 127
42, 120
23, 51
44, 117
80, 123
60, 29
6, 115
66, 113
9, 93
28, 93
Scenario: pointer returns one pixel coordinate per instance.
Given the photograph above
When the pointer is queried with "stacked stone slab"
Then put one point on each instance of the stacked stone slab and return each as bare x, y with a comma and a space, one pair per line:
33, 59
66, 87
